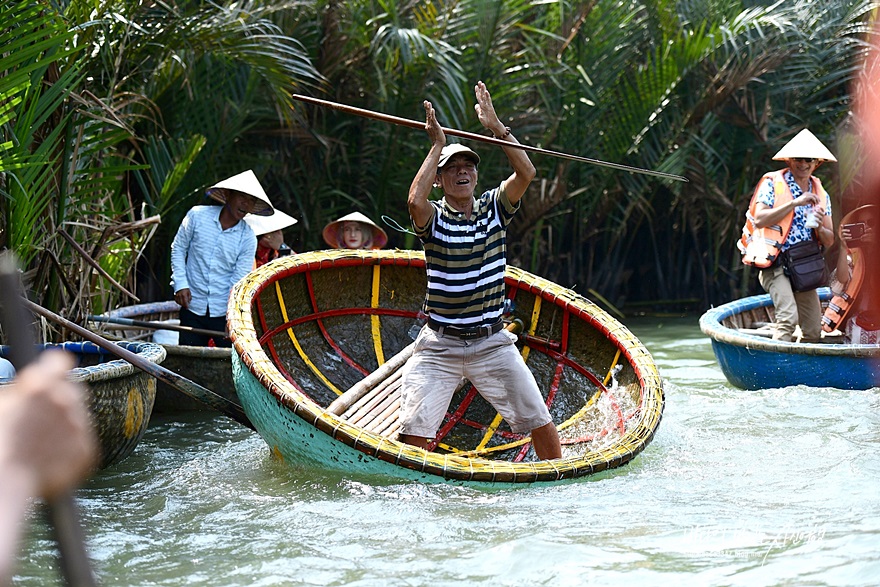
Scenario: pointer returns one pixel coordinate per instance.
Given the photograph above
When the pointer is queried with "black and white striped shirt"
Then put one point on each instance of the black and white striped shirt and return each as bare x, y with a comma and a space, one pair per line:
465, 259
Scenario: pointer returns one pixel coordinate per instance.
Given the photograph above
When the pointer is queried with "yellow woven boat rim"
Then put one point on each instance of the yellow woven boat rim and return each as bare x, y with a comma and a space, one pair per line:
244, 337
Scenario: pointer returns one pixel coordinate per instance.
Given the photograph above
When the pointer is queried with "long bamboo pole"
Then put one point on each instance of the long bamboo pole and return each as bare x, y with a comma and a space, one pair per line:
476, 137
123, 322
62, 512
178, 382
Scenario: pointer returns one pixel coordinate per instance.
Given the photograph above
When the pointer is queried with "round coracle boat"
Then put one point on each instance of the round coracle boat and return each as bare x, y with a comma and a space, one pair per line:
319, 338
120, 396
741, 333
210, 367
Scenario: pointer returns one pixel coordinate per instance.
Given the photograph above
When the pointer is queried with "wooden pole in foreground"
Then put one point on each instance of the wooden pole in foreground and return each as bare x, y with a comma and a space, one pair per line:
476, 137
178, 382
63, 515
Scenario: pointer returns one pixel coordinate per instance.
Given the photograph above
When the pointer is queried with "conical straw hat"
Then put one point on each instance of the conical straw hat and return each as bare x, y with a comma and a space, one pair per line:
246, 183
804, 144
332, 230
264, 224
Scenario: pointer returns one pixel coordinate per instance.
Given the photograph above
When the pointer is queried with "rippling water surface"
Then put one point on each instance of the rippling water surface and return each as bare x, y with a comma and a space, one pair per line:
775, 487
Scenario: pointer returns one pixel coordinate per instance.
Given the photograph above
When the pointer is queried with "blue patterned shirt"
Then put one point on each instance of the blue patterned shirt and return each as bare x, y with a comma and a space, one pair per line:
209, 260
799, 232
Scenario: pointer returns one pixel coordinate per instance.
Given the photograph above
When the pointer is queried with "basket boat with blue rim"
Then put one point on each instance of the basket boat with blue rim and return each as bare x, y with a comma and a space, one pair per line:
750, 359
120, 396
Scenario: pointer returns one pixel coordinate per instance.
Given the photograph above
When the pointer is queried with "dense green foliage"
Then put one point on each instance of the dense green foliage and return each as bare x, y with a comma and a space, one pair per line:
117, 110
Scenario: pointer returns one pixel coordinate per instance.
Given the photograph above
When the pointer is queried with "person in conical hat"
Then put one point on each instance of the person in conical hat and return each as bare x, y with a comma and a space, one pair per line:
212, 250
354, 231
270, 239
790, 208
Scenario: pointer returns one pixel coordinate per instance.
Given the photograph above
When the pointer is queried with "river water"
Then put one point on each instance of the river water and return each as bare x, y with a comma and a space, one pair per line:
774, 487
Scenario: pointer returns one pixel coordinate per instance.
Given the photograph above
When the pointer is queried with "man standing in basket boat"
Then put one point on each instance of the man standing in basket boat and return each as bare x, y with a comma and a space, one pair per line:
789, 210
465, 249
212, 250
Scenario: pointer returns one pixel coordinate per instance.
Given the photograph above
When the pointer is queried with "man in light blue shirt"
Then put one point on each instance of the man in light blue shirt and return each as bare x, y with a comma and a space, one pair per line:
212, 250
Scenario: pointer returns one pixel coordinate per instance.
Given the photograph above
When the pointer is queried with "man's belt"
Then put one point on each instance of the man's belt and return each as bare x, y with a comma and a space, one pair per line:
465, 333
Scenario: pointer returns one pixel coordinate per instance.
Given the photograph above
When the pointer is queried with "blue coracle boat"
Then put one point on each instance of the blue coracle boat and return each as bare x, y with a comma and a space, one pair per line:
751, 360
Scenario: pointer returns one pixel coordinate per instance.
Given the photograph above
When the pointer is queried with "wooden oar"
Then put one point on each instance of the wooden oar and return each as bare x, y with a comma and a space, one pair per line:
482, 138
62, 512
156, 325
178, 382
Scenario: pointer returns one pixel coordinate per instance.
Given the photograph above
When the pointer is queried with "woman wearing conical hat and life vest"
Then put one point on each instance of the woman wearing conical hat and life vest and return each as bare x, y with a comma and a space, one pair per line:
789, 206
354, 231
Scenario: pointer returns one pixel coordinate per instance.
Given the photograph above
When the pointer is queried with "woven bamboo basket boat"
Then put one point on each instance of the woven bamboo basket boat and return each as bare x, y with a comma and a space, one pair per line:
310, 330
210, 367
120, 396
741, 333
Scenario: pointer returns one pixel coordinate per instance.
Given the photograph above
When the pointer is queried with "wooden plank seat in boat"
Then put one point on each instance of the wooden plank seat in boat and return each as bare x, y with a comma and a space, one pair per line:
373, 403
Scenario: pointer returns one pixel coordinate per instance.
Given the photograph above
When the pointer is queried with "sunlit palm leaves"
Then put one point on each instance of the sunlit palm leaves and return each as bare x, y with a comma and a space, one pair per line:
107, 106
191, 92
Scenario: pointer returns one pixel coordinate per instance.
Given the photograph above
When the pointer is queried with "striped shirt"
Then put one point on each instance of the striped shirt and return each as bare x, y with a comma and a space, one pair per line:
209, 260
466, 258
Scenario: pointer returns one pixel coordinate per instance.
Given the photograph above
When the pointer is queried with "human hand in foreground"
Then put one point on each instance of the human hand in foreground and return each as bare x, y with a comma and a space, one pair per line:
46, 436
183, 297
47, 444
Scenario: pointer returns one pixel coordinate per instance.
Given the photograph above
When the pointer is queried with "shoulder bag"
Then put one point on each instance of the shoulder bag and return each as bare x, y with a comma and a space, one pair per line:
804, 265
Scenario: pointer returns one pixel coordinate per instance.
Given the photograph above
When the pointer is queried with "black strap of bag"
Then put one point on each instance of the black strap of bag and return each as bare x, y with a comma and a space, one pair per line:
804, 265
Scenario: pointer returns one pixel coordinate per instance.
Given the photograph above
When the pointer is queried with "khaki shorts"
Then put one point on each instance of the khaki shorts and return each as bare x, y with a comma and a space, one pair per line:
792, 308
492, 364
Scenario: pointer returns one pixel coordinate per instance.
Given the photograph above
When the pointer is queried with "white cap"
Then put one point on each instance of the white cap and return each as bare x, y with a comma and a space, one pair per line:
457, 149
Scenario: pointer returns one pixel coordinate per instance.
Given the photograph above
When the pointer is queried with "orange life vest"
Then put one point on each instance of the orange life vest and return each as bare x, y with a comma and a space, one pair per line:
760, 246
841, 304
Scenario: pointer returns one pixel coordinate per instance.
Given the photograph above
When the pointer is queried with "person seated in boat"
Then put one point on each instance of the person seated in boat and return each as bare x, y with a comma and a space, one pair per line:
212, 250
848, 310
47, 444
789, 207
354, 231
465, 251
270, 238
